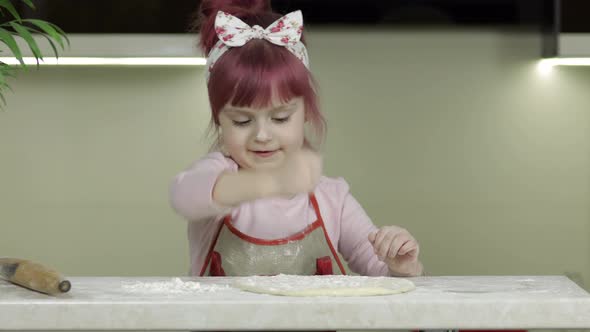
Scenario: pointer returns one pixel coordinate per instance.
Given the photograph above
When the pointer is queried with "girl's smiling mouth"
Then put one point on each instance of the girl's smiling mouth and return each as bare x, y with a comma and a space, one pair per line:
264, 153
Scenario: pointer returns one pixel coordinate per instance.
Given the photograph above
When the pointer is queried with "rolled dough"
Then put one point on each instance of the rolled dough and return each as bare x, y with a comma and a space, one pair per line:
332, 285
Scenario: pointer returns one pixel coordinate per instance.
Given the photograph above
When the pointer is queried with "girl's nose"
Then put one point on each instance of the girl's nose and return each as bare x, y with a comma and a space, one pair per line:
263, 133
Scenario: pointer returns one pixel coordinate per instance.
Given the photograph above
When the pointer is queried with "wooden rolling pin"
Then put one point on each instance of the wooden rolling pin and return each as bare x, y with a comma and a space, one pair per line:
33, 276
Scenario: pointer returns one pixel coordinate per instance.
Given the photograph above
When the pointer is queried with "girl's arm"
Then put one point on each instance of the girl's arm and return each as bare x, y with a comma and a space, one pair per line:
354, 245
398, 249
298, 173
359, 251
191, 190
214, 184
233, 188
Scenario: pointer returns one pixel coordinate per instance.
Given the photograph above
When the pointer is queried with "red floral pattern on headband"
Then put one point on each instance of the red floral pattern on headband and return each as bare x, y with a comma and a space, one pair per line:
285, 30
233, 32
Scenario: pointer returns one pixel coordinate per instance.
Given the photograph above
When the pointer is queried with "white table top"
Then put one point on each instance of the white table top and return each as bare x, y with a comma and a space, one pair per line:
479, 302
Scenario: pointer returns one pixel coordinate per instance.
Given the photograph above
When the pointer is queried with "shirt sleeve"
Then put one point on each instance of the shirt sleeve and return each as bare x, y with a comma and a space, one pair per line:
354, 245
191, 191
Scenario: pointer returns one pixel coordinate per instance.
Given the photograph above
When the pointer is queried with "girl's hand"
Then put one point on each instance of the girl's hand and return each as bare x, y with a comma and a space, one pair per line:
398, 249
299, 173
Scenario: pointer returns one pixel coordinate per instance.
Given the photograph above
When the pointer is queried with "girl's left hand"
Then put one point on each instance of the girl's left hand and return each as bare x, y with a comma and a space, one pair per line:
398, 249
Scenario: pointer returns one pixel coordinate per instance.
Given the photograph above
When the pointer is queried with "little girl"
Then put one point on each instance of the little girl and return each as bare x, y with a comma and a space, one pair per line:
258, 204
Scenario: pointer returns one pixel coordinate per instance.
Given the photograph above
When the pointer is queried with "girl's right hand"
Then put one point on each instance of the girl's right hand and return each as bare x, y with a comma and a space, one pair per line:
299, 173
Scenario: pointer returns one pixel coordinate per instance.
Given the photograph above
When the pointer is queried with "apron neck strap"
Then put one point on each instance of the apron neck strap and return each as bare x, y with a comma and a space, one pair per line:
316, 207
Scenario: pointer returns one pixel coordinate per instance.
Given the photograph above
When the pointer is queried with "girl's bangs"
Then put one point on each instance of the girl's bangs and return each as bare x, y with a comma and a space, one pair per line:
265, 76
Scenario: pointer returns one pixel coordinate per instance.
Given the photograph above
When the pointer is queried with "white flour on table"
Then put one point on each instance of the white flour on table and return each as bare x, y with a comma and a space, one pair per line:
175, 285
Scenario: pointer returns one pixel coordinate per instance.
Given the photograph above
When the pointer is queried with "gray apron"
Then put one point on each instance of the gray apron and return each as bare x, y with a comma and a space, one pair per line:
307, 252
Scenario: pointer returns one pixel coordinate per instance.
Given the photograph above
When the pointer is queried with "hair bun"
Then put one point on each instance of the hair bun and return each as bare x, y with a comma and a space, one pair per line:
239, 8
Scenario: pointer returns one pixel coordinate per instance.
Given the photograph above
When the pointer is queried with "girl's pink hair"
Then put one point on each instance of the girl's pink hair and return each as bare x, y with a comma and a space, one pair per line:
248, 76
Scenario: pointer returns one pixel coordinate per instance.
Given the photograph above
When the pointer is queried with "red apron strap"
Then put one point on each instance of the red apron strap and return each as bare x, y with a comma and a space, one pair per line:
324, 266
216, 268
212, 246
316, 207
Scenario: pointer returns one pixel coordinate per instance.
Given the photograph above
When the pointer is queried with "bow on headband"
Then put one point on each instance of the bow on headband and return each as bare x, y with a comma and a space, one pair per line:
233, 32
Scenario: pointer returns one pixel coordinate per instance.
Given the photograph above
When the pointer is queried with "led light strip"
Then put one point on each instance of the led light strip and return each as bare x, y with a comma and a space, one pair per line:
109, 61
545, 66
565, 62
194, 61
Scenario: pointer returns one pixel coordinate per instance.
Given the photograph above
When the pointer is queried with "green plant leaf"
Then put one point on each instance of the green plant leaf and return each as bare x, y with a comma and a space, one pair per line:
3, 99
6, 38
9, 73
8, 5
26, 35
51, 42
16, 27
3, 80
29, 3
46, 36
3, 86
52, 30
60, 31
7, 70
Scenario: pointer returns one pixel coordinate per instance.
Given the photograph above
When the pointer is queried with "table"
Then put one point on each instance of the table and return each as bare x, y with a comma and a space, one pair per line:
449, 302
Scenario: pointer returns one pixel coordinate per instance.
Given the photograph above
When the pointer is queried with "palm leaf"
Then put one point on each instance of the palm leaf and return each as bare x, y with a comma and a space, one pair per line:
52, 30
30, 4
6, 70
3, 85
3, 99
3, 82
8, 6
46, 36
51, 42
6, 38
26, 35
48, 30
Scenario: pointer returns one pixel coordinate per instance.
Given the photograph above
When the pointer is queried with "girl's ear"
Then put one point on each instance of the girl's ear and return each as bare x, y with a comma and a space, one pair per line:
221, 146
223, 151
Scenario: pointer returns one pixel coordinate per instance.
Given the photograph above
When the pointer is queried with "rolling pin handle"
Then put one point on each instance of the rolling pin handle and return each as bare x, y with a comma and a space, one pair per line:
65, 286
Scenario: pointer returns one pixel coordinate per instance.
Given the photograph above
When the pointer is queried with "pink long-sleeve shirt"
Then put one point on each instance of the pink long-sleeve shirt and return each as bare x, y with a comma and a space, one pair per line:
347, 224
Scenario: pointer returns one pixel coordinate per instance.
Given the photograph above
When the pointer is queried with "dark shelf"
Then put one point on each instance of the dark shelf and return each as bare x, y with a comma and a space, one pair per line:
176, 16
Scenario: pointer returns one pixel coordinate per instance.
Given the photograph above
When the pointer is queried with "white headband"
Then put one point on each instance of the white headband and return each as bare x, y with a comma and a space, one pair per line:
233, 32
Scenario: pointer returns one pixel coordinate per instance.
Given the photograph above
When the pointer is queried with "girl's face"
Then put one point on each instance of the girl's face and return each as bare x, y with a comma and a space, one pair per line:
262, 138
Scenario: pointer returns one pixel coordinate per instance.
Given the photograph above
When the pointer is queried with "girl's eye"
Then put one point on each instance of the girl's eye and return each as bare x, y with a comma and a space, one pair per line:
241, 123
281, 120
